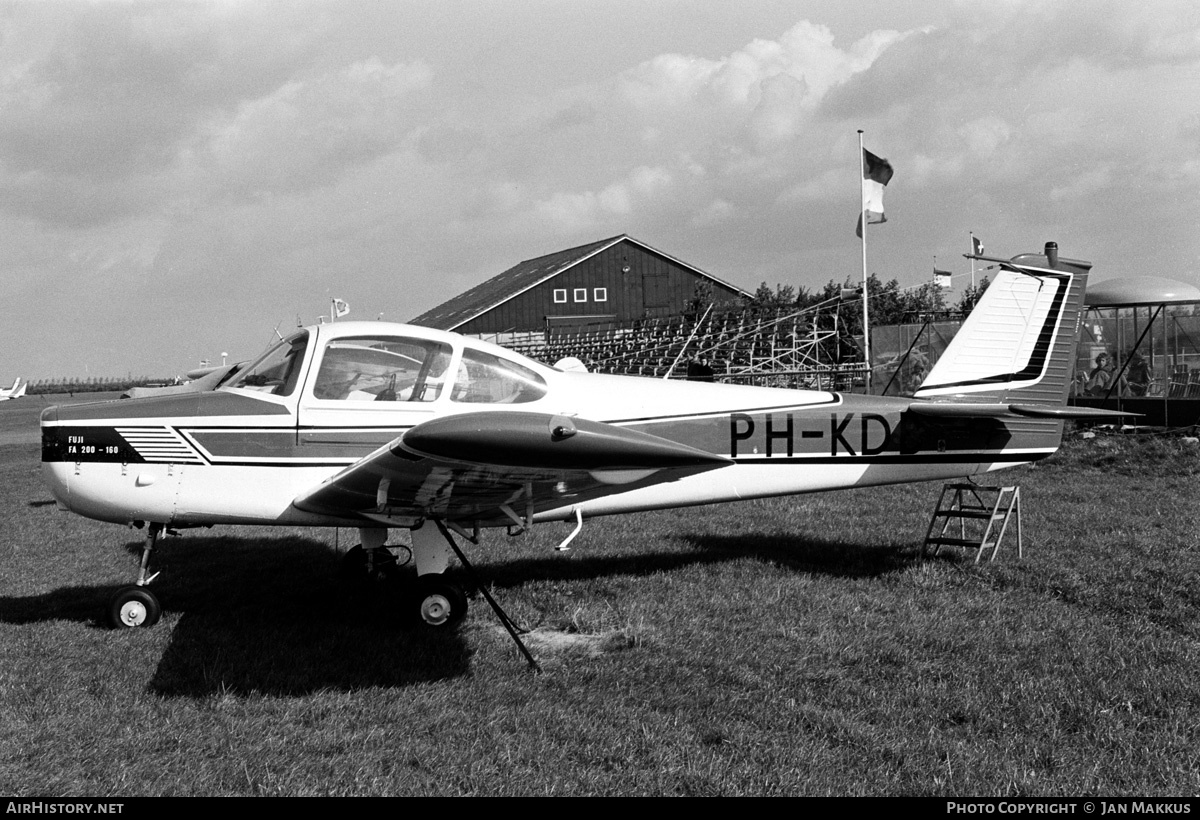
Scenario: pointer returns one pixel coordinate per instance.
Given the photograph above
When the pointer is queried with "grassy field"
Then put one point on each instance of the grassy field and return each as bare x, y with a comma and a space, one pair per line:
794, 646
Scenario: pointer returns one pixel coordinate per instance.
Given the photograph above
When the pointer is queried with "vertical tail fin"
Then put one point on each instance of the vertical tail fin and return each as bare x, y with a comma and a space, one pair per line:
1018, 344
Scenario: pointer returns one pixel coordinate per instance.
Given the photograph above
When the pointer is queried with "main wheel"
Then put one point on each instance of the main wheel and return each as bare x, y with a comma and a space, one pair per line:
134, 607
439, 602
354, 564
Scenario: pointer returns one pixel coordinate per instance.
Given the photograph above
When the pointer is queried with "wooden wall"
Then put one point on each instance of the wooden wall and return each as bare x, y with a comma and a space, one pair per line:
600, 286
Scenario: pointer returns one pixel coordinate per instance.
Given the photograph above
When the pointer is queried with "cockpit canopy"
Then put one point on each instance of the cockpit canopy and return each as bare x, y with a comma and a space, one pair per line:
385, 367
368, 368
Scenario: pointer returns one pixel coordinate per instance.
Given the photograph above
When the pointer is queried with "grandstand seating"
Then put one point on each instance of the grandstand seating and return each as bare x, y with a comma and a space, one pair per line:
786, 349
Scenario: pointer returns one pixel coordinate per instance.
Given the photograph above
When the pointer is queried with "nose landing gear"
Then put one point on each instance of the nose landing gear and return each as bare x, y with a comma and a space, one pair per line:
135, 606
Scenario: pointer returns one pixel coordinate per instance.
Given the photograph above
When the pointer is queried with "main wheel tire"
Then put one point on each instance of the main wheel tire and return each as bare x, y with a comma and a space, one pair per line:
134, 607
354, 565
439, 603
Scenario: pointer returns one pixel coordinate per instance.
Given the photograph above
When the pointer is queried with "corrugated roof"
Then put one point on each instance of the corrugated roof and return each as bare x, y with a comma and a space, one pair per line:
485, 296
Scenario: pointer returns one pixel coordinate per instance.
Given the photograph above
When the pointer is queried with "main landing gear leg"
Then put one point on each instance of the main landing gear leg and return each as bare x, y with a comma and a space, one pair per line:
439, 603
135, 606
507, 622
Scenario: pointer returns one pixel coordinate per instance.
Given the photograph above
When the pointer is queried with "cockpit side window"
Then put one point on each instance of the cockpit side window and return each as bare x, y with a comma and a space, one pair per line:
369, 368
277, 371
487, 379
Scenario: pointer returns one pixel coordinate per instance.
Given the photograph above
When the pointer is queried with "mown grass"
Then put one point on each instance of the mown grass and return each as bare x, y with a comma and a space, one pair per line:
792, 646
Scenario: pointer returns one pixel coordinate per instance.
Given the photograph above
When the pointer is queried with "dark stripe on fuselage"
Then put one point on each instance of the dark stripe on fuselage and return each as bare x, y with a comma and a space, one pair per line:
845, 446
804, 434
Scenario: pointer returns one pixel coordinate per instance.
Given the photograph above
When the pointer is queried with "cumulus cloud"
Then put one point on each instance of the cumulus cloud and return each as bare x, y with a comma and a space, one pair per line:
719, 132
587, 209
309, 131
102, 104
732, 86
758, 96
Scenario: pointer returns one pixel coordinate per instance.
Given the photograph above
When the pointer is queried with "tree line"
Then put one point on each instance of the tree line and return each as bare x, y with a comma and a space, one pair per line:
890, 304
93, 384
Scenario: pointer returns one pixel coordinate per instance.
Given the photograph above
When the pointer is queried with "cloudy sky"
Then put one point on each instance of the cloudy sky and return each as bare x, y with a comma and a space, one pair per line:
179, 178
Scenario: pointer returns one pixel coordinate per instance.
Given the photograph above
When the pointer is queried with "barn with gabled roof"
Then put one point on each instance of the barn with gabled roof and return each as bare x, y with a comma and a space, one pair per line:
614, 281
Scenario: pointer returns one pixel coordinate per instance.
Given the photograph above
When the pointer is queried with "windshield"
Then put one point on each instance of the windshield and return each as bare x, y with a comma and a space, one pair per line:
277, 371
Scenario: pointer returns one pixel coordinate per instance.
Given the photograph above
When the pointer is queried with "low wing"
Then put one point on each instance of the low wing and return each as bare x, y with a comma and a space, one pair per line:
470, 467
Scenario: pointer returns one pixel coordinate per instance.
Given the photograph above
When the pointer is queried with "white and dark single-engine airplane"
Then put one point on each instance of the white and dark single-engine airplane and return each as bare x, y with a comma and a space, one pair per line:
14, 392
378, 426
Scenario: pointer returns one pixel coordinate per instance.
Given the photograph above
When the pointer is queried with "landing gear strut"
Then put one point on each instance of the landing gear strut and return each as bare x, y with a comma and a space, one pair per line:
135, 606
432, 598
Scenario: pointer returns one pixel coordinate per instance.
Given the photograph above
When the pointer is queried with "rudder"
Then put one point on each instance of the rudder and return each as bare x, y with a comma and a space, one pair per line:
1018, 344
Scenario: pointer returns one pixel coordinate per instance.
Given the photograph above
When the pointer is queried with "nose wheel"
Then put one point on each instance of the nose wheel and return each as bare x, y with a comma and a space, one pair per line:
134, 607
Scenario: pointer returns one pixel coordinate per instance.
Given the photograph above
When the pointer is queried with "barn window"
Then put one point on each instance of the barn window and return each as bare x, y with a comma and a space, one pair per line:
560, 296
600, 295
580, 294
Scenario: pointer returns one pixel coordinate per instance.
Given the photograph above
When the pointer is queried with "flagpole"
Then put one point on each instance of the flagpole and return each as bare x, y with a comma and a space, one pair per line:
972, 260
862, 197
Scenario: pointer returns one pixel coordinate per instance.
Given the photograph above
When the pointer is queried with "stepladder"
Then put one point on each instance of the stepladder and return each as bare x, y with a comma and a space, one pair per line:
973, 516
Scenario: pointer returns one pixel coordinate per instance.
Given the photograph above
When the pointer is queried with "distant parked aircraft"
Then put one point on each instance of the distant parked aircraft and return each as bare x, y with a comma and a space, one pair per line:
14, 392
200, 380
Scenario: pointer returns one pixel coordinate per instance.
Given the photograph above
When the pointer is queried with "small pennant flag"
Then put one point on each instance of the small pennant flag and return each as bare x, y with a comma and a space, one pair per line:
943, 279
340, 308
877, 173
976, 246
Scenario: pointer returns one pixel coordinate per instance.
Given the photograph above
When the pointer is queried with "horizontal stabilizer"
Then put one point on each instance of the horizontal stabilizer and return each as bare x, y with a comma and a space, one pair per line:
1051, 412
955, 410
991, 411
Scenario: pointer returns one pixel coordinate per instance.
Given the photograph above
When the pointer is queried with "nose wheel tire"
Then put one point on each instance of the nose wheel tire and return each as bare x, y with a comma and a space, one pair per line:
439, 603
134, 607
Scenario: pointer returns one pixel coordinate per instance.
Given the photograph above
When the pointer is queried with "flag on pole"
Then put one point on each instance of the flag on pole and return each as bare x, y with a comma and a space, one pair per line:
877, 173
976, 246
943, 279
340, 308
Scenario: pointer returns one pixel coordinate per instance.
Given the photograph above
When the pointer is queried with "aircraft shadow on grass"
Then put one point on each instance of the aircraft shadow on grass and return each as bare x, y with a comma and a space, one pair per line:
273, 616
797, 552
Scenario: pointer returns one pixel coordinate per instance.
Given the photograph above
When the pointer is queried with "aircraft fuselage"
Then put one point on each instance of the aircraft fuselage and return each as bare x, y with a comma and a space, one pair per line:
244, 453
